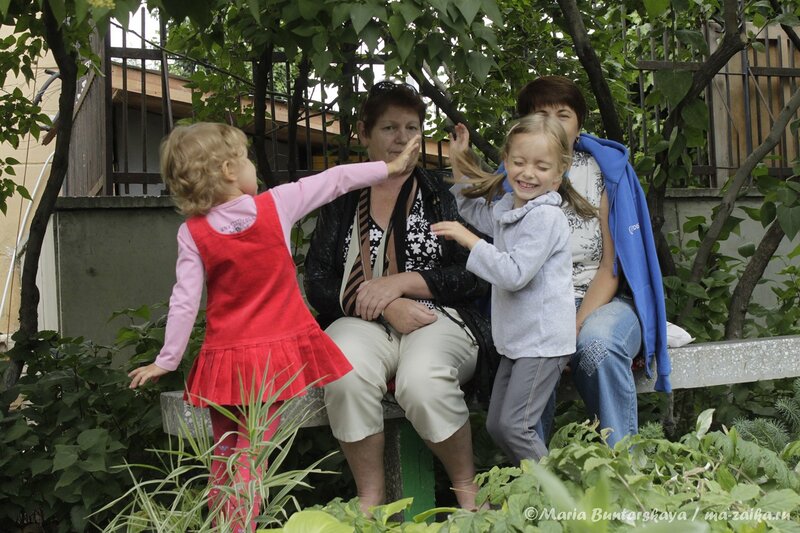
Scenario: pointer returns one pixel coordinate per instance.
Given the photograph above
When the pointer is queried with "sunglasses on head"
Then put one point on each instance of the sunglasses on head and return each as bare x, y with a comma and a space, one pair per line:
390, 86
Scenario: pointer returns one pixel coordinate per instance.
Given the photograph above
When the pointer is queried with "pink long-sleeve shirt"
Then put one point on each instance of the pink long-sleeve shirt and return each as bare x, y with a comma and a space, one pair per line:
293, 201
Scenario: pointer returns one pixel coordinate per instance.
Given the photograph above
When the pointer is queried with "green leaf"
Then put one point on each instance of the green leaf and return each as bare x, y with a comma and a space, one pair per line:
747, 250
405, 44
694, 39
314, 520
677, 144
90, 438
704, 422
725, 478
695, 115
255, 9
779, 501
19, 429
340, 14
673, 84
479, 65
656, 8
40, 465
309, 8
96, 462
469, 8
66, 456
59, 10
493, 12
789, 219
397, 27
409, 12
322, 62
768, 212
4, 8
786, 196
745, 491
68, 477
361, 15
440, 5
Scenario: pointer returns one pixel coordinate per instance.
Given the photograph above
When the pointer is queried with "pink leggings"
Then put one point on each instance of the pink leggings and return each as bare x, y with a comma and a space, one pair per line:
231, 436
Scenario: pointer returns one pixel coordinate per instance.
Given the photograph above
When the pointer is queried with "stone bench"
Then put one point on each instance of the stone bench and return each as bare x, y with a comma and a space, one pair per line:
409, 463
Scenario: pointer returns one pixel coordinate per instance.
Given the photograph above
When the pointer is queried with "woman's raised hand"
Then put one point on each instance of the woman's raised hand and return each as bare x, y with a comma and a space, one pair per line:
404, 164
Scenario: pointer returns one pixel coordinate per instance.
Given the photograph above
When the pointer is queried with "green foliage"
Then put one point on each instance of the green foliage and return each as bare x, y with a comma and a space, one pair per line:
73, 419
707, 481
783, 427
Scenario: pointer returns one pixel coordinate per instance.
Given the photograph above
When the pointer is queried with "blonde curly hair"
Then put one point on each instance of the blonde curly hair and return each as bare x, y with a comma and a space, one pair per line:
192, 158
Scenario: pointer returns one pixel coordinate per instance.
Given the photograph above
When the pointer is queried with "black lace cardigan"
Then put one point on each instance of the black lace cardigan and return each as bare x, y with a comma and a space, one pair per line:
451, 284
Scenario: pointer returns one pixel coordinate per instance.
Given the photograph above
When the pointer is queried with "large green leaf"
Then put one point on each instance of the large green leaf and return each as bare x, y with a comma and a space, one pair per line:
656, 8
779, 501
66, 456
673, 84
479, 64
469, 8
309, 8
316, 521
409, 12
361, 14
493, 12
789, 219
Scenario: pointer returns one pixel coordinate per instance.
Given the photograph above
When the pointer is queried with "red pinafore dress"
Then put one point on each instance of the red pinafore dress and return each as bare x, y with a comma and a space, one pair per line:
257, 325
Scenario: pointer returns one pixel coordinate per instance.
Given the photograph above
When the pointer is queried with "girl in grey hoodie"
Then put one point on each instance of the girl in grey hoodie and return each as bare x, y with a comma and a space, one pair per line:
529, 265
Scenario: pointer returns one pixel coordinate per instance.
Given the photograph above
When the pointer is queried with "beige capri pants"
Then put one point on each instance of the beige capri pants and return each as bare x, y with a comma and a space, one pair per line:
428, 365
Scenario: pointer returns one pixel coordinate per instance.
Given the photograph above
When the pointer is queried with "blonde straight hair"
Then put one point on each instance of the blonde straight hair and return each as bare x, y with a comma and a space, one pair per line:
489, 185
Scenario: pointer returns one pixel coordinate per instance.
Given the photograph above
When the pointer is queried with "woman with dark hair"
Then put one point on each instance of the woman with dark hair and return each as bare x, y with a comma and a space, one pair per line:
618, 288
398, 301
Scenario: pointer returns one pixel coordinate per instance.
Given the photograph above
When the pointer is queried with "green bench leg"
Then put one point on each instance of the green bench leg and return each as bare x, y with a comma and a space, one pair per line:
409, 467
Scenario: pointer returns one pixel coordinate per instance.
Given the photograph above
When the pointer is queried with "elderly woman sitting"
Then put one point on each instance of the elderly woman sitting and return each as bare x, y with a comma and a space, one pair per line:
398, 301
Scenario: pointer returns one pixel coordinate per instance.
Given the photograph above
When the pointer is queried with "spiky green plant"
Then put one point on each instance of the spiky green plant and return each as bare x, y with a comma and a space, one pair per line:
175, 498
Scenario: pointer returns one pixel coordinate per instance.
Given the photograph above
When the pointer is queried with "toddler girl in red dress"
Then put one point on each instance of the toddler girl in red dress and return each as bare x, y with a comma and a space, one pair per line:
257, 325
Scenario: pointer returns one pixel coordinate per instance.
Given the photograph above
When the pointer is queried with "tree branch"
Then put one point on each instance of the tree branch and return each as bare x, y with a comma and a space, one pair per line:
261, 72
739, 179
593, 68
787, 29
446, 105
300, 86
731, 44
752, 274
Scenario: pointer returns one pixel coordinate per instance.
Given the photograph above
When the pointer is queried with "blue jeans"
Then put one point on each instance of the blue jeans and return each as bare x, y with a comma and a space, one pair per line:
601, 369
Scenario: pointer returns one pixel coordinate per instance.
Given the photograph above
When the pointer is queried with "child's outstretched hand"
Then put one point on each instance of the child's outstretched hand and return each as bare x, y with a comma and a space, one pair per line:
459, 143
459, 139
404, 164
143, 374
457, 232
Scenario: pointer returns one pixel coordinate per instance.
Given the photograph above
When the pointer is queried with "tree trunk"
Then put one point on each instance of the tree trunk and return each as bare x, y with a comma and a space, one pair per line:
591, 64
66, 59
347, 103
261, 71
729, 200
753, 272
300, 86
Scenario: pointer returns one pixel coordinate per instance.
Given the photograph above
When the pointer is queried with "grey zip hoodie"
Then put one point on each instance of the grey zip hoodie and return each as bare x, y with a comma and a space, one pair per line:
530, 268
